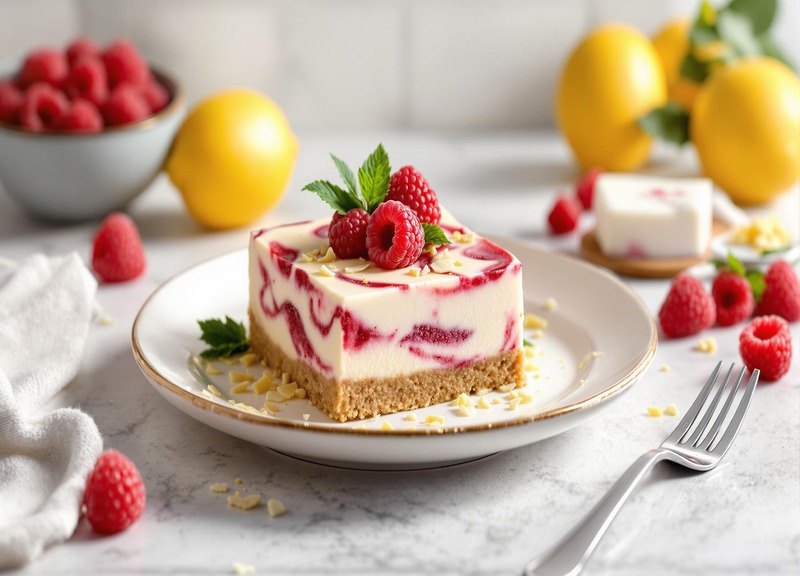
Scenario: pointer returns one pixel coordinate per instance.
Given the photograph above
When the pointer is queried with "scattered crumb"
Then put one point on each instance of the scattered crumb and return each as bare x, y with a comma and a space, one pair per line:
329, 256
248, 360
496, 401
263, 384
414, 271
664, 368
597, 354
326, 271
654, 411
550, 304
300, 393
412, 417
106, 320
240, 388
356, 269
537, 333
215, 391
507, 387
244, 502
287, 390
212, 370
238, 481
535, 321
387, 426
707, 345
443, 266
360, 427
483, 403
306, 416
425, 269
525, 398
671, 410
465, 410
435, 420
275, 508
219, 488
463, 400
514, 402
241, 568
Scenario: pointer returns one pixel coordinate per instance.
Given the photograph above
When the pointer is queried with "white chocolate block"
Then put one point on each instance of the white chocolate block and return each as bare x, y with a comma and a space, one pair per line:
652, 217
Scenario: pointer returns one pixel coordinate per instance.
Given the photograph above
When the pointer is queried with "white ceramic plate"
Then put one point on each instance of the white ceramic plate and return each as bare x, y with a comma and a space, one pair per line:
599, 340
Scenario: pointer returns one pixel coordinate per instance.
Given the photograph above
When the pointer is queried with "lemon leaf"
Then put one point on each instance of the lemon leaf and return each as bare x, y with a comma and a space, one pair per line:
374, 177
737, 31
346, 174
669, 123
760, 13
336, 197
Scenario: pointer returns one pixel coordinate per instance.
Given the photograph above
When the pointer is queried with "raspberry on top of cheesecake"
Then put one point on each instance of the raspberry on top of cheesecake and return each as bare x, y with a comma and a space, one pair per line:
414, 325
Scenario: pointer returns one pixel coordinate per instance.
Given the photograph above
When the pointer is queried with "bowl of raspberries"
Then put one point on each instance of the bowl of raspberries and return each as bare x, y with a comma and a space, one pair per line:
84, 129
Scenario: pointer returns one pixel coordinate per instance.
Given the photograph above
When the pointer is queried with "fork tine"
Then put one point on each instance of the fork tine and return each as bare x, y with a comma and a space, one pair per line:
712, 434
736, 422
691, 414
709, 412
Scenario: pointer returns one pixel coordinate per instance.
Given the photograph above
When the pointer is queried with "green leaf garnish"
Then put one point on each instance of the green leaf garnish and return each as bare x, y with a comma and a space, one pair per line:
736, 30
434, 235
347, 175
757, 283
736, 265
527, 343
337, 198
373, 176
670, 123
224, 338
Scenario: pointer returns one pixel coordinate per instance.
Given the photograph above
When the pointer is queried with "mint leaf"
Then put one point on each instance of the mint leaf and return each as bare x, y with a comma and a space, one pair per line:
527, 343
757, 283
337, 198
347, 175
736, 265
374, 177
670, 123
224, 338
771, 49
760, 13
434, 235
737, 31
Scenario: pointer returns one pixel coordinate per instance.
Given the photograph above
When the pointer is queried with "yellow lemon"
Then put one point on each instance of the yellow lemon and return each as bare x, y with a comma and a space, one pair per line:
745, 126
232, 158
672, 45
611, 78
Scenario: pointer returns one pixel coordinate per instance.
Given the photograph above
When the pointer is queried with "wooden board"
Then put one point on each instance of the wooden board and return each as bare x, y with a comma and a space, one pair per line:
643, 267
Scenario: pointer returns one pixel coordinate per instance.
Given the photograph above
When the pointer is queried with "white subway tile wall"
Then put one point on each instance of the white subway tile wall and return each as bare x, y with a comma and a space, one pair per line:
360, 64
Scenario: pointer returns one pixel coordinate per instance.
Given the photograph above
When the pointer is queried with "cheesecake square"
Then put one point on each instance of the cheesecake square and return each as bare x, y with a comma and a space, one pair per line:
365, 341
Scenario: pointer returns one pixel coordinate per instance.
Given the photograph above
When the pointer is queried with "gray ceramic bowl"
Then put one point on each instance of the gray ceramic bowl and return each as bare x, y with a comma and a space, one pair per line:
72, 177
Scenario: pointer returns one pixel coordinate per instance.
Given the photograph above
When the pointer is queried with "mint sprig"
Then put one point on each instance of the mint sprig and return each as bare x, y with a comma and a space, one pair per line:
225, 339
367, 192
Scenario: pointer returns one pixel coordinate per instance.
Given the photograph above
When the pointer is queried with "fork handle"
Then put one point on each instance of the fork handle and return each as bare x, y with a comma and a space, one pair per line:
570, 554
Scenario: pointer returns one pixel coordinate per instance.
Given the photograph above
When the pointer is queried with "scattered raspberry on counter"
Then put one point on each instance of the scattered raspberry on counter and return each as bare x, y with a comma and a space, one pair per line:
733, 298
117, 252
115, 494
782, 293
564, 215
687, 309
766, 344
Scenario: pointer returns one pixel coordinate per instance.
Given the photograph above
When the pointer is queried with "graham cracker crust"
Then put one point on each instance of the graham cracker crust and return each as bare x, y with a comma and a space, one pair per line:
355, 399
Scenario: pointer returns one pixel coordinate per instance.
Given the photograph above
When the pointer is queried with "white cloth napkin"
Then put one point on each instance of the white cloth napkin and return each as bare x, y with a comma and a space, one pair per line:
46, 307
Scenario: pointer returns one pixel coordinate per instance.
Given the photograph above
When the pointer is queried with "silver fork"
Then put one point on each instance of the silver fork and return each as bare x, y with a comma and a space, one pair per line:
699, 448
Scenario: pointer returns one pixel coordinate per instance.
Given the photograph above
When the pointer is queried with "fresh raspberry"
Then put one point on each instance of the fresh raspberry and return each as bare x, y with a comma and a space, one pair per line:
11, 99
409, 187
155, 95
125, 64
687, 309
125, 104
766, 344
564, 215
347, 234
82, 116
782, 293
88, 80
733, 298
585, 188
115, 496
394, 236
117, 253
46, 65
43, 108
80, 48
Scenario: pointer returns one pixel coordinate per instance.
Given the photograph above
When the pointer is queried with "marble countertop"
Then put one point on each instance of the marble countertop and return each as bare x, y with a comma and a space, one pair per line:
485, 517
